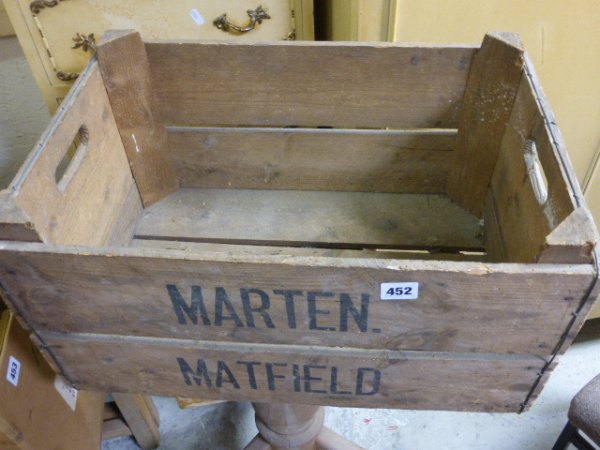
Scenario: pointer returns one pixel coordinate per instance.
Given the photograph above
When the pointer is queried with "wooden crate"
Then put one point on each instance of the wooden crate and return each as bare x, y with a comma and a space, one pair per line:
235, 218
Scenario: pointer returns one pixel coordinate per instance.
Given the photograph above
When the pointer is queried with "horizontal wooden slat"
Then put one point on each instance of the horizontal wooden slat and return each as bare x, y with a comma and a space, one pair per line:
309, 84
317, 159
311, 218
461, 306
293, 374
258, 250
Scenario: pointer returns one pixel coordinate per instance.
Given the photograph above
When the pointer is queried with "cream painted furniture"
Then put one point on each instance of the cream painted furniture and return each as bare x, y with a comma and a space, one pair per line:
47, 29
6, 28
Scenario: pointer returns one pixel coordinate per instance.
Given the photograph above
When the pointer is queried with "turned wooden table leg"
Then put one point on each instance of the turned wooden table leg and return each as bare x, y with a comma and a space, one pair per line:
286, 426
283, 426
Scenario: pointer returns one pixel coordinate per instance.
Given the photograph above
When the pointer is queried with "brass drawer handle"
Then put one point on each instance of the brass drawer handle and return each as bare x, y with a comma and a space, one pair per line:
86, 43
256, 17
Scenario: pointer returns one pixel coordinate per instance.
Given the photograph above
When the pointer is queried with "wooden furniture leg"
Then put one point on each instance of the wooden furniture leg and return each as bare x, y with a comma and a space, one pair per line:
142, 418
283, 426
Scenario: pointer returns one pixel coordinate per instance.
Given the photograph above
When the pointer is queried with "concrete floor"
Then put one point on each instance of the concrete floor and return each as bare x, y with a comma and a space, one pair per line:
23, 117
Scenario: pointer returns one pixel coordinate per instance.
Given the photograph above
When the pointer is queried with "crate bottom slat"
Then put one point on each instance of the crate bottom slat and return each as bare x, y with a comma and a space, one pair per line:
312, 375
322, 219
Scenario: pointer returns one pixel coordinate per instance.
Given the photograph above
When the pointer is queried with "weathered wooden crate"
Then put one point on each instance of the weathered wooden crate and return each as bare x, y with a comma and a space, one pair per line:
330, 223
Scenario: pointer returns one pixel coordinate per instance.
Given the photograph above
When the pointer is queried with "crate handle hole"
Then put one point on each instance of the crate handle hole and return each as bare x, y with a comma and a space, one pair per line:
70, 162
536, 173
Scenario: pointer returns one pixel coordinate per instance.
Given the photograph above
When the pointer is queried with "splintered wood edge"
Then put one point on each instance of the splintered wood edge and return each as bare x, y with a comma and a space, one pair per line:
111, 35
508, 37
15, 225
572, 241
468, 267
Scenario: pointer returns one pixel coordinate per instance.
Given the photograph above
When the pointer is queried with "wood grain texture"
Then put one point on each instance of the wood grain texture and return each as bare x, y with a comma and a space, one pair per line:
489, 96
462, 306
140, 418
309, 84
524, 222
585, 306
572, 241
463, 382
113, 428
495, 248
311, 218
122, 229
315, 159
127, 78
84, 211
14, 224
261, 250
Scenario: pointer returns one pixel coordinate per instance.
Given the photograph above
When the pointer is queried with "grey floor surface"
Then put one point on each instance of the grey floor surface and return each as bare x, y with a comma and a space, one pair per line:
23, 117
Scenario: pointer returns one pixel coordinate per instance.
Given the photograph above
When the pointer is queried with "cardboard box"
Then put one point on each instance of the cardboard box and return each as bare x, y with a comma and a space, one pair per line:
33, 414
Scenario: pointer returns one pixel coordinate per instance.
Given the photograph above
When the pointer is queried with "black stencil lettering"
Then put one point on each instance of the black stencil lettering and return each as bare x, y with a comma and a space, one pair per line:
182, 309
200, 375
334, 383
297, 377
271, 376
223, 368
250, 369
221, 299
360, 381
289, 305
346, 306
313, 311
262, 309
308, 378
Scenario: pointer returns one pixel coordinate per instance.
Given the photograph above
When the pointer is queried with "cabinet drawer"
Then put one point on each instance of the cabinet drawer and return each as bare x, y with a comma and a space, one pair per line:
47, 32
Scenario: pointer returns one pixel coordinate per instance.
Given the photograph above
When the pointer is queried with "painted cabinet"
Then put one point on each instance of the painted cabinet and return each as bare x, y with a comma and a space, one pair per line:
48, 30
6, 28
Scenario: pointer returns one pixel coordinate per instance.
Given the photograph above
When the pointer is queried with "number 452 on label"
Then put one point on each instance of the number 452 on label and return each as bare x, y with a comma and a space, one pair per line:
400, 291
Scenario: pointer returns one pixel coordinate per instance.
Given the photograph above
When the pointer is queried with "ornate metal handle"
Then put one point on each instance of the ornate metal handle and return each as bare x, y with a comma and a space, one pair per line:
256, 17
86, 43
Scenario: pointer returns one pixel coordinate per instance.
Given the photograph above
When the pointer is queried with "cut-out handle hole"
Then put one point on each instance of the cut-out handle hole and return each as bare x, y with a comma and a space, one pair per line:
68, 165
537, 177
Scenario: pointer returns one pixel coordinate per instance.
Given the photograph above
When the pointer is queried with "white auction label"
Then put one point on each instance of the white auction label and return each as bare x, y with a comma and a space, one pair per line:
14, 370
68, 393
400, 291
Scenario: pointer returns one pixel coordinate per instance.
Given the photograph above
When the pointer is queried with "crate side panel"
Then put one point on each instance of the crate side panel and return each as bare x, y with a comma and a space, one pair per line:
269, 373
472, 307
284, 84
524, 222
83, 211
